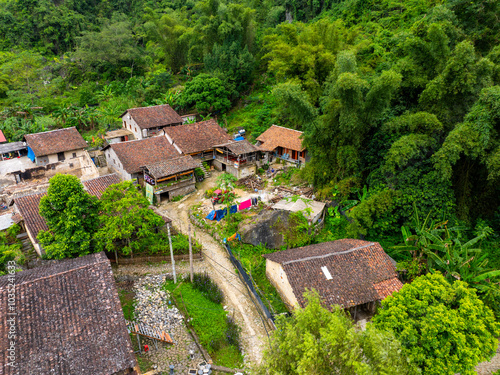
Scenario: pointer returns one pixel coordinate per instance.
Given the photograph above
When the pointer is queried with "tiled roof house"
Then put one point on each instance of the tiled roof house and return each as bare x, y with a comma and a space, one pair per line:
283, 142
127, 158
28, 206
69, 321
59, 151
197, 138
147, 122
345, 272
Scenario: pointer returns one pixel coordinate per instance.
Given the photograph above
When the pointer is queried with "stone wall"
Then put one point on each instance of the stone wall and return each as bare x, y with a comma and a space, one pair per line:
182, 190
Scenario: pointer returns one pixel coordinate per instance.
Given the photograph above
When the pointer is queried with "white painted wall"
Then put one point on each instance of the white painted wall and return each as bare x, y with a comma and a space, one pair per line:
115, 164
278, 277
130, 124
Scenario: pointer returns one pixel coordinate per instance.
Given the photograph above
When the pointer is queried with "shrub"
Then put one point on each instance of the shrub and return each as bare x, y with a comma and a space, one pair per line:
208, 287
233, 332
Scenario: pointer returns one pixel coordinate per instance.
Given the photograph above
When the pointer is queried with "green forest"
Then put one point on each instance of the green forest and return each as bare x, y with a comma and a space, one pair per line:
399, 101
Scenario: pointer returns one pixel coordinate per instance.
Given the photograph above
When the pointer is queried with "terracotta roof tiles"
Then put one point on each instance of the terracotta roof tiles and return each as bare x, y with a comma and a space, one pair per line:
172, 166
69, 320
197, 137
154, 116
240, 147
52, 142
136, 154
357, 271
278, 136
96, 186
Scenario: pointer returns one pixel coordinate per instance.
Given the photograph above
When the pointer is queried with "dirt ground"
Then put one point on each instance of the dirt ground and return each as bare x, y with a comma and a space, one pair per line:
253, 335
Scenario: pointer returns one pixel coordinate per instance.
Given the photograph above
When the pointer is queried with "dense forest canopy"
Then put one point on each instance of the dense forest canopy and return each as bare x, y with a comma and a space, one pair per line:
401, 98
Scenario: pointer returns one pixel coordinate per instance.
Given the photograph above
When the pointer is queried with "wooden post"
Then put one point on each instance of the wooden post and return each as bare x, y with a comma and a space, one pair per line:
190, 253
171, 253
116, 256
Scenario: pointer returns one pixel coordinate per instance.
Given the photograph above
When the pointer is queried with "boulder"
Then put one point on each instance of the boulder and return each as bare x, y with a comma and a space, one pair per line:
266, 228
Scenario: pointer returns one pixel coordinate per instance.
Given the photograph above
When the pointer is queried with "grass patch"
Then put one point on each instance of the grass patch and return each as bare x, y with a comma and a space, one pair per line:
210, 322
127, 302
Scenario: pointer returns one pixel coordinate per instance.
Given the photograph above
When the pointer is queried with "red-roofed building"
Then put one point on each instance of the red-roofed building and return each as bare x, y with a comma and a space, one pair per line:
283, 143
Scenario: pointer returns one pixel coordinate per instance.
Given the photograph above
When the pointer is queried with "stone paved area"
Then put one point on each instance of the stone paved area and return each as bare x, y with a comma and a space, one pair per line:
487, 368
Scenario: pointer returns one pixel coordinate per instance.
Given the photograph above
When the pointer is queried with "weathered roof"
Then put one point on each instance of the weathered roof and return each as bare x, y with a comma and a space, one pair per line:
359, 271
154, 116
278, 136
28, 208
310, 207
69, 320
172, 166
118, 133
136, 154
96, 186
28, 205
55, 141
12, 146
239, 147
197, 137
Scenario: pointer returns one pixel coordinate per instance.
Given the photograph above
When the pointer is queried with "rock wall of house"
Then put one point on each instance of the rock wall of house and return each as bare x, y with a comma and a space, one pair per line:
182, 191
217, 165
115, 164
277, 277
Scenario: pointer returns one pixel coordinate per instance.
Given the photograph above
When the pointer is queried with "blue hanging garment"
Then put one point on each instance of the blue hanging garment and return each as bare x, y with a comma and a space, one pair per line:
211, 215
31, 154
233, 209
220, 215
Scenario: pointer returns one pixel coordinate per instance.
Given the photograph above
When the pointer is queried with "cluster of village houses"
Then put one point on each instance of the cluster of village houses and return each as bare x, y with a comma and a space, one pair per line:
72, 321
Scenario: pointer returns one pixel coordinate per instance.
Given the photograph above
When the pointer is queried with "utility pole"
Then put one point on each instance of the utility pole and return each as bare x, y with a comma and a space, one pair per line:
190, 253
171, 253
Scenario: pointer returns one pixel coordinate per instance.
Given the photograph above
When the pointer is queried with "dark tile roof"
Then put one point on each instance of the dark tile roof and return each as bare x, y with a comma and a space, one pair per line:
278, 136
136, 154
360, 271
69, 320
28, 205
197, 137
172, 166
240, 147
12, 146
28, 208
155, 116
96, 186
55, 141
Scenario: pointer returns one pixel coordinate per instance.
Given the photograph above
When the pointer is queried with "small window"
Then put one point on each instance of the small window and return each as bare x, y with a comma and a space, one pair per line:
60, 156
74, 154
71, 165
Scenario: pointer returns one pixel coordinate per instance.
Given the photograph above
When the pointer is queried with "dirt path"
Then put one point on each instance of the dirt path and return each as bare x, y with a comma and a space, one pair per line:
253, 334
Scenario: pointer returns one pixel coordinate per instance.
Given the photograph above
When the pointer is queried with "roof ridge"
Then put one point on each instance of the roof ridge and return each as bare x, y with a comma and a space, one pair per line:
62, 272
55, 130
30, 194
283, 127
95, 178
327, 255
149, 106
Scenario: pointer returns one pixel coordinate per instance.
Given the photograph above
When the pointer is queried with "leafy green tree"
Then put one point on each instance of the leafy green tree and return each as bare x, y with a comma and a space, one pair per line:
126, 222
443, 328
10, 249
315, 340
207, 94
72, 218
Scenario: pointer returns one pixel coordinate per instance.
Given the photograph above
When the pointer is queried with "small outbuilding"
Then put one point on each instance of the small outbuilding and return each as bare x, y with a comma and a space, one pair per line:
283, 143
64, 318
351, 273
313, 210
240, 158
170, 178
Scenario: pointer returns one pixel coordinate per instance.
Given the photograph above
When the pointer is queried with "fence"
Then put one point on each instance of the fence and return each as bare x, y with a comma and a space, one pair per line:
156, 259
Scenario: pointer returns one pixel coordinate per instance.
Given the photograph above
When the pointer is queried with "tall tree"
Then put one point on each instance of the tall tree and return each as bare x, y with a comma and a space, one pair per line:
444, 328
316, 341
72, 218
126, 222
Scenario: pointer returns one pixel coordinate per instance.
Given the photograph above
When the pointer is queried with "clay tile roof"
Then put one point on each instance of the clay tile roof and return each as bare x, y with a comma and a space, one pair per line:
136, 154
360, 271
278, 136
55, 141
69, 320
28, 205
172, 166
155, 116
28, 208
197, 137
240, 147
96, 186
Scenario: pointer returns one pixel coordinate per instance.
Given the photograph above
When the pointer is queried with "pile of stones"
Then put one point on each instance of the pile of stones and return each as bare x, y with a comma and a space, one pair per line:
154, 306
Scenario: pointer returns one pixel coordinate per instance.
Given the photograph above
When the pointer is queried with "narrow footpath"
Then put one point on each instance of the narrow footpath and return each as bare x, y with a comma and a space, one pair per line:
253, 334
